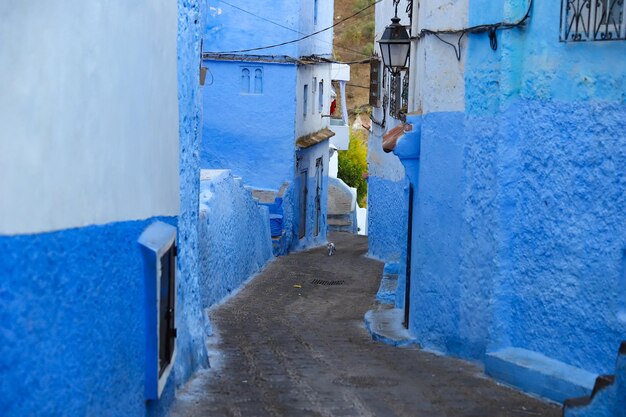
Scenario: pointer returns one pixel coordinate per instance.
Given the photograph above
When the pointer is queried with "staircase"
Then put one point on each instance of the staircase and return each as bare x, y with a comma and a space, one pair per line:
608, 398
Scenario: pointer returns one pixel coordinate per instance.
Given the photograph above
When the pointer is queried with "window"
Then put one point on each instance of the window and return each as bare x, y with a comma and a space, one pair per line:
592, 20
375, 83
245, 81
258, 81
321, 96
249, 85
315, 8
306, 99
313, 91
303, 202
158, 248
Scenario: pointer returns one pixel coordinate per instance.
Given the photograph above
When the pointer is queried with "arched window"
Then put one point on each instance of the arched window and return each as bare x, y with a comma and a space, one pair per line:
258, 81
245, 81
321, 93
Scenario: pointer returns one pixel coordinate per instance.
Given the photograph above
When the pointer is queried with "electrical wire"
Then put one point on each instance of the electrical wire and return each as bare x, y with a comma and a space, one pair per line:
302, 38
490, 28
290, 29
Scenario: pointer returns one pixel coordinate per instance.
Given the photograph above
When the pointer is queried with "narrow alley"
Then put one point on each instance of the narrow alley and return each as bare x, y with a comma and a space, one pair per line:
288, 345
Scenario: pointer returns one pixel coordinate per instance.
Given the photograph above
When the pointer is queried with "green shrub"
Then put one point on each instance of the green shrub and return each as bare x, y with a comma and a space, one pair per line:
353, 166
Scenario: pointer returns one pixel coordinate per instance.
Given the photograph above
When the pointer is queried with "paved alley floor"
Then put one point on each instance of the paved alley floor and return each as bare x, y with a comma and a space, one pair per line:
289, 351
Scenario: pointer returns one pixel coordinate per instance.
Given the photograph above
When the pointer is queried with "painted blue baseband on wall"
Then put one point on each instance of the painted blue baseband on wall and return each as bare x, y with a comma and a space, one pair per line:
72, 322
506, 225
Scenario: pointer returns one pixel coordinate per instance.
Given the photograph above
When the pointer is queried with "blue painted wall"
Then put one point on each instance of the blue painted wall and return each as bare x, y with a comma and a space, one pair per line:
72, 322
235, 241
558, 216
252, 134
72, 337
232, 29
387, 203
191, 322
520, 222
608, 402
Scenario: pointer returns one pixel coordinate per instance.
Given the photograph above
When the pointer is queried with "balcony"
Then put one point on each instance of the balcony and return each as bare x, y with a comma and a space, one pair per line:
342, 134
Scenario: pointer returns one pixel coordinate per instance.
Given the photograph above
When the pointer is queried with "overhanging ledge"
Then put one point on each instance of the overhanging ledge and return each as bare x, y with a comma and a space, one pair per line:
307, 141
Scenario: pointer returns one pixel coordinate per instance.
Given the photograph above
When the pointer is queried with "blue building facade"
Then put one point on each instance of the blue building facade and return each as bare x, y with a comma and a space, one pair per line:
110, 155
516, 157
272, 129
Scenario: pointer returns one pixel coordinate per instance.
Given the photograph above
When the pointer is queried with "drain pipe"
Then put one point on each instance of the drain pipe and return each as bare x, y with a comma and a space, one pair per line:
409, 239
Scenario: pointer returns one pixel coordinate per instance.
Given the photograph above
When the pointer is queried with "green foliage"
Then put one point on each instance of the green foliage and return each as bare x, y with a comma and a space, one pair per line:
361, 4
353, 166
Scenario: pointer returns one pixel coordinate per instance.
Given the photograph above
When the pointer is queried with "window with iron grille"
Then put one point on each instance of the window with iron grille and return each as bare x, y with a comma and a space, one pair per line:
592, 20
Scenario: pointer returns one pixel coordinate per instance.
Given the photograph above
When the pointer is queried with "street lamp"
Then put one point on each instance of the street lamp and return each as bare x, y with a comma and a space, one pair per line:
395, 45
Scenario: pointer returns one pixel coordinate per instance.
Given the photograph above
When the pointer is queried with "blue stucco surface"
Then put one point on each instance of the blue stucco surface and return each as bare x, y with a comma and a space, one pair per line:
235, 241
72, 322
232, 29
252, 134
387, 203
520, 212
609, 401
192, 325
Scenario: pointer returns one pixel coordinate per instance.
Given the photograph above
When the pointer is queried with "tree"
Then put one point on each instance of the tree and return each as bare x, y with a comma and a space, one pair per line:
353, 166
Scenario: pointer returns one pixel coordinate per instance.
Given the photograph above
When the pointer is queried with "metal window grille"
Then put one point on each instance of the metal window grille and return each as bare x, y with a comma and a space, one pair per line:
405, 93
592, 20
395, 95
375, 83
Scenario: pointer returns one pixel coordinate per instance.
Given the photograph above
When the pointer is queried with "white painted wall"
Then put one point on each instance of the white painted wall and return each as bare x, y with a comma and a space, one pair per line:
88, 113
333, 164
313, 121
322, 43
437, 77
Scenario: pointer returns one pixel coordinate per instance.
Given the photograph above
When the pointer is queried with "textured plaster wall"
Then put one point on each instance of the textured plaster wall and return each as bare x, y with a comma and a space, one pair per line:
252, 134
387, 198
387, 202
558, 219
436, 75
83, 158
72, 336
520, 225
437, 221
235, 241
72, 322
191, 323
609, 402
322, 43
231, 29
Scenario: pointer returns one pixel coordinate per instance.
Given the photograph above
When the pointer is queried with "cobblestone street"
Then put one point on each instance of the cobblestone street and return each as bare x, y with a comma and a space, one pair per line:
286, 350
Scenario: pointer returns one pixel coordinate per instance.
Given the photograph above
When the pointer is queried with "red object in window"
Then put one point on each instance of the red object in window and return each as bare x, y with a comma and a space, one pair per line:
333, 106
